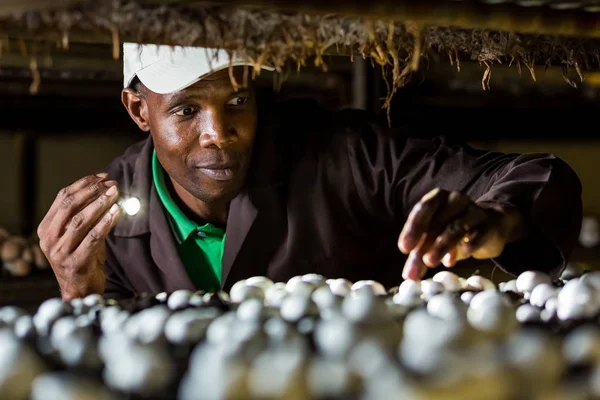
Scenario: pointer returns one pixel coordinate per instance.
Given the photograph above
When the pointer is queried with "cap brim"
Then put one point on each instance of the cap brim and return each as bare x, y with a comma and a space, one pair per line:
164, 77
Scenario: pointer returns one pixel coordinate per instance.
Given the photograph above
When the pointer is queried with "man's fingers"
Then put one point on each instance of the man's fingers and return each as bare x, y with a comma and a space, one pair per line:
98, 233
419, 219
68, 202
454, 206
414, 268
454, 233
84, 221
450, 259
489, 244
76, 186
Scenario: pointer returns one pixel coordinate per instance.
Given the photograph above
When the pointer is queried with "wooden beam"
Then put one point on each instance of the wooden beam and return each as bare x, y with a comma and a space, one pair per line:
8, 7
445, 13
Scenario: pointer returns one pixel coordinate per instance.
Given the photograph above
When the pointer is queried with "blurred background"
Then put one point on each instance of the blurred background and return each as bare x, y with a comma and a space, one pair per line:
75, 125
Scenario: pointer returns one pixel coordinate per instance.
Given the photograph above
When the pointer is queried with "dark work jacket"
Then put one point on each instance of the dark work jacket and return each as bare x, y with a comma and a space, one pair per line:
328, 192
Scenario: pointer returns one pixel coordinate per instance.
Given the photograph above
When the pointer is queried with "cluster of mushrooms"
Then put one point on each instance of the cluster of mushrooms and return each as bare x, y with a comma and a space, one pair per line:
20, 256
315, 338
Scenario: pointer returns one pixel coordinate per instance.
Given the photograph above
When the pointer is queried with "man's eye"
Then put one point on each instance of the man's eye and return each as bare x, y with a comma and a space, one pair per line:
186, 112
238, 101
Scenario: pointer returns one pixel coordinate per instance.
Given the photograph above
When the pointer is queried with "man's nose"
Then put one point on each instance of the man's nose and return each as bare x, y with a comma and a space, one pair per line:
215, 130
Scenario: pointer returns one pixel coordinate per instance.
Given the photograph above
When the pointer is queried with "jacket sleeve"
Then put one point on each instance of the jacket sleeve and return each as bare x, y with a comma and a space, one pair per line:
392, 172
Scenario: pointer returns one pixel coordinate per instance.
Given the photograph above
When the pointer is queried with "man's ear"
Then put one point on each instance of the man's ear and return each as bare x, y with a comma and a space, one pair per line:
137, 108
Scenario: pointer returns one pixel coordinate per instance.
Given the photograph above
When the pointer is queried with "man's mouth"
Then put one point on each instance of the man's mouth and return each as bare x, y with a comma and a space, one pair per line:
219, 172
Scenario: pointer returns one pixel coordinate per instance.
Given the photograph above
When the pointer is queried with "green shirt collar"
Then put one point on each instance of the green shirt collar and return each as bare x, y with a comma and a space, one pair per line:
182, 225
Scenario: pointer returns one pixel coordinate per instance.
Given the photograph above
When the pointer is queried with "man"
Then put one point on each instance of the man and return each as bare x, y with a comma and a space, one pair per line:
231, 190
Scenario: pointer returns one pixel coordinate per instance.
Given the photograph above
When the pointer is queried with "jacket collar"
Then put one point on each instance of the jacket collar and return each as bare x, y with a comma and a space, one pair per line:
139, 186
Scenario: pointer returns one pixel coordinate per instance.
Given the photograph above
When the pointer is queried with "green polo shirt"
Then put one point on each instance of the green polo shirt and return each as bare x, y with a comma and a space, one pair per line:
200, 246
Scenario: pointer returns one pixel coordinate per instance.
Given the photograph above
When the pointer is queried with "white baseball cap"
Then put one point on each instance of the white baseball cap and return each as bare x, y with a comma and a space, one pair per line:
166, 69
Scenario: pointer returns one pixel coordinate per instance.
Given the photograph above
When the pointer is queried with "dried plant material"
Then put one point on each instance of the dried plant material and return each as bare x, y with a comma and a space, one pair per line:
231, 76
566, 78
116, 44
64, 42
487, 75
578, 69
295, 38
22, 47
34, 87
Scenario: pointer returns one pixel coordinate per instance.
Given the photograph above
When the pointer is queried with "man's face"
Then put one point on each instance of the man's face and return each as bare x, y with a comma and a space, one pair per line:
203, 136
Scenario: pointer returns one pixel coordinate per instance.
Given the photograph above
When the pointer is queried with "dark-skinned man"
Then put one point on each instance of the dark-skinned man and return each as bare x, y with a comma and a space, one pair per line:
230, 190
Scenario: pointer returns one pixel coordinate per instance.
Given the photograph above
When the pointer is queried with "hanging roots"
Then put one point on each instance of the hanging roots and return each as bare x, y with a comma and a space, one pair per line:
291, 39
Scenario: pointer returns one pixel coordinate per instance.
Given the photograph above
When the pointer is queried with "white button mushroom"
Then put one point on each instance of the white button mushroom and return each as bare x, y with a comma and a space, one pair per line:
147, 325
376, 287
528, 280
325, 299
476, 282
275, 294
240, 292
162, 297
334, 337
409, 288
297, 286
410, 300
315, 279
189, 326
93, 299
251, 310
430, 288
261, 281
140, 369
447, 306
179, 299
487, 298
510, 286
466, 297
577, 299
10, 314
591, 278
19, 366
296, 307
364, 308
582, 346
535, 354
449, 279
541, 293
340, 287
48, 312
218, 330
67, 386
496, 319
528, 313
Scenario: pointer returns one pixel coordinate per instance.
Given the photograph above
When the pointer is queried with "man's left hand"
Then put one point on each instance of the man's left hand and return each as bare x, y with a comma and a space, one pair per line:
446, 227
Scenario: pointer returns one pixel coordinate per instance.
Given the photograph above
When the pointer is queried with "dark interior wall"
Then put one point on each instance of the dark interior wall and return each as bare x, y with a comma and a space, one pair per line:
8, 183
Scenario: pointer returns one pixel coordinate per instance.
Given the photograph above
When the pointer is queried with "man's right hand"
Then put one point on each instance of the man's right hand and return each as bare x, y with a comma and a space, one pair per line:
73, 234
